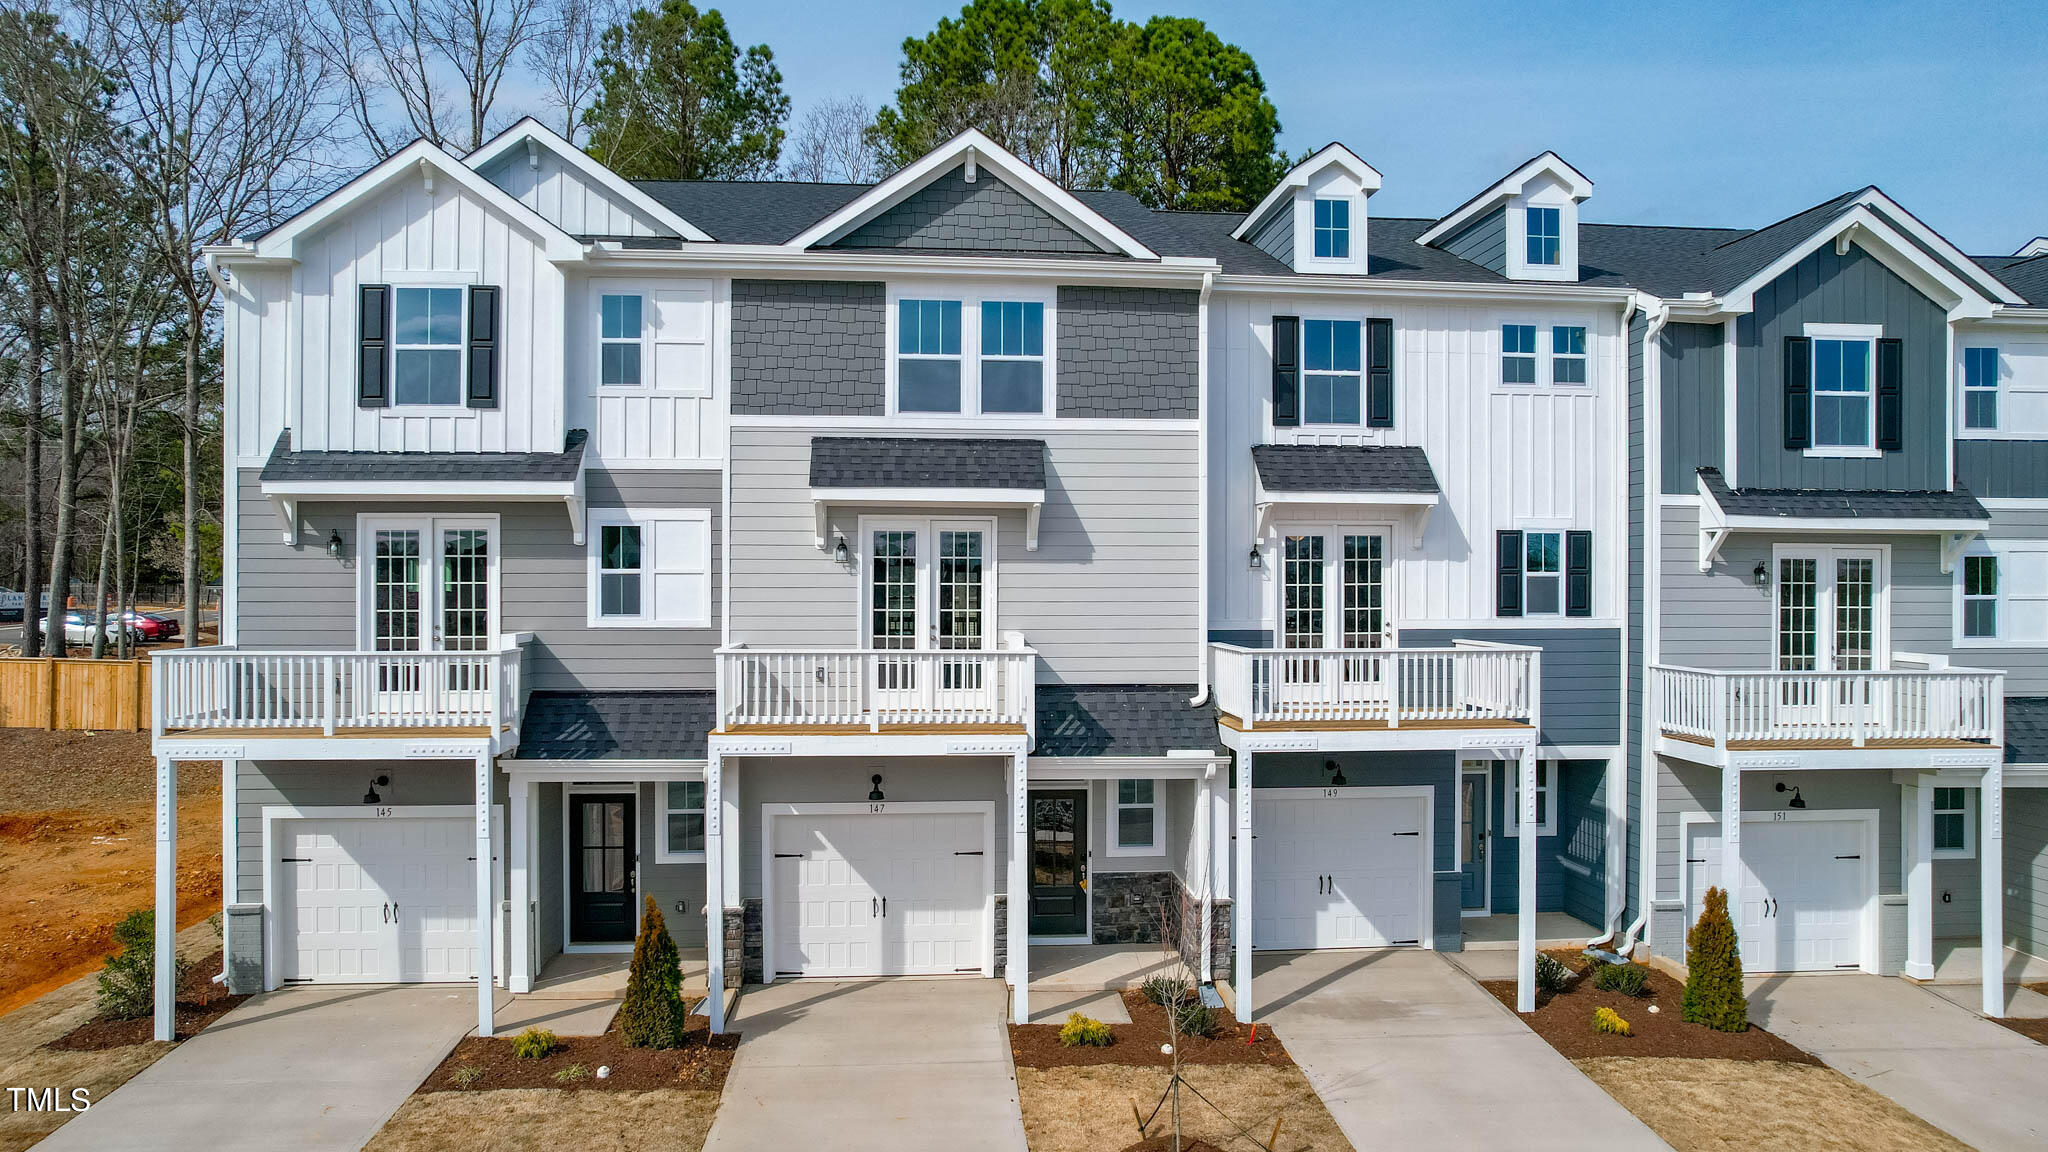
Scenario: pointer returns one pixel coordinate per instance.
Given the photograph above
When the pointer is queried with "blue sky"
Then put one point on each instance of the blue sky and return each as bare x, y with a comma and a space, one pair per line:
1733, 114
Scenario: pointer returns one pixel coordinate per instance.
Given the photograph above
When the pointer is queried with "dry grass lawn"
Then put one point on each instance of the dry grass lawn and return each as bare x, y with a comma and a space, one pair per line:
549, 1120
1088, 1109
1697, 1105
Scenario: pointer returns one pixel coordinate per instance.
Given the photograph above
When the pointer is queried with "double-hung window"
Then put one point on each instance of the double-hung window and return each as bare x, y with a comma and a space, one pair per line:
1546, 812
1842, 392
1954, 830
1980, 597
427, 346
619, 574
1980, 388
1543, 573
682, 822
1136, 827
1567, 355
1330, 371
928, 355
1012, 356
2001, 595
1333, 230
620, 333
649, 568
1545, 233
1518, 353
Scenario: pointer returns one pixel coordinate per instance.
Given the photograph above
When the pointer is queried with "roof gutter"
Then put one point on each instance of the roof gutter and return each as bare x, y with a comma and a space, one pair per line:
1202, 499
1516, 291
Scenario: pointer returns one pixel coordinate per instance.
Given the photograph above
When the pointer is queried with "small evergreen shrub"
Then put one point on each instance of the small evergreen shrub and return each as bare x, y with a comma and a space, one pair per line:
1191, 1017
1627, 979
1713, 961
571, 1074
652, 1015
466, 1076
1165, 990
535, 1044
127, 985
1084, 1032
1551, 974
1609, 1021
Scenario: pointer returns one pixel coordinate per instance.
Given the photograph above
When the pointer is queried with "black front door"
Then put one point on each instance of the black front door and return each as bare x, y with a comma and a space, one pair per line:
602, 856
1059, 863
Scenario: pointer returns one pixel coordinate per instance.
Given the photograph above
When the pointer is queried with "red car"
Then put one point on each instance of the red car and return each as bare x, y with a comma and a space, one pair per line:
153, 626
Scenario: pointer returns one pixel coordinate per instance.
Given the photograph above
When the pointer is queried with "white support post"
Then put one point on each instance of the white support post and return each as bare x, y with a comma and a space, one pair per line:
1017, 962
1241, 930
1916, 806
484, 901
714, 891
1991, 876
166, 899
1731, 840
1525, 889
1205, 839
1617, 845
519, 965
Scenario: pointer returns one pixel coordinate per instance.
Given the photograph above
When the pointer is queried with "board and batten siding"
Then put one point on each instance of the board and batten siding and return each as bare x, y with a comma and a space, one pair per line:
1109, 597
1830, 289
1691, 366
2003, 469
546, 183
292, 334
1520, 458
673, 418
302, 599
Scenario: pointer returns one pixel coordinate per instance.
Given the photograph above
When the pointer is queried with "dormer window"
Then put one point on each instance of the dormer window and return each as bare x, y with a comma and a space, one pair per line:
1333, 229
1545, 236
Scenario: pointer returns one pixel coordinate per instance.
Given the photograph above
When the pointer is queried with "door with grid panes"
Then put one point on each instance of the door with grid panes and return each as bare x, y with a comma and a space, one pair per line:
1333, 595
1828, 604
429, 590
931, 589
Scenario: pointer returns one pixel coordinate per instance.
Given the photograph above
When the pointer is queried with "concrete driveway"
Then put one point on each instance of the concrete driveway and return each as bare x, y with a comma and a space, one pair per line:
1975, 1080
907, 1065
1408, 1052
313, 1069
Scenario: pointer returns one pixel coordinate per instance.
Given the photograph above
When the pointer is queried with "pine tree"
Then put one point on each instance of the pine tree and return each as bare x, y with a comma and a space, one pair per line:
652, 1016
1713, 960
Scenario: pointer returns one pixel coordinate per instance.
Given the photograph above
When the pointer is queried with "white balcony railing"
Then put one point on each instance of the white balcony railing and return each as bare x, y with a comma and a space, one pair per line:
336, 692
1927, 704
875, 688
1471, 681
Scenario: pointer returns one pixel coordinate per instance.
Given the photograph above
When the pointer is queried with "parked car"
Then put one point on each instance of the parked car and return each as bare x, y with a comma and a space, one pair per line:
153, 626
79, 628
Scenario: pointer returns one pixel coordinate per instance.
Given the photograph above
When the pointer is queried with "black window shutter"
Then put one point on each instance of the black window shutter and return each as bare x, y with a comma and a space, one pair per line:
1286, 371
483, 346
1507, 597
1798, 392
1578, 573
1891, 394
373, 347
1379, 373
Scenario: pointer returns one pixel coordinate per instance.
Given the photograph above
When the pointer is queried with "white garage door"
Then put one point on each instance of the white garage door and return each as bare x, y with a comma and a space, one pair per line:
1339, 868
879, 894
1805, 884
376, 900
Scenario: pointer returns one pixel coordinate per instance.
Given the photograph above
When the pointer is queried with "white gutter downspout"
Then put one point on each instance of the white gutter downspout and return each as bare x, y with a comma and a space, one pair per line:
1202, 497
1628, 315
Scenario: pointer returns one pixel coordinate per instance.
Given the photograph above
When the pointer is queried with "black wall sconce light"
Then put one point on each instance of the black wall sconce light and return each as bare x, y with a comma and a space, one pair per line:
1336, 774
1760, 575
875, 793
841, 554
1255, 560
376, 782
1797, 800
335, 547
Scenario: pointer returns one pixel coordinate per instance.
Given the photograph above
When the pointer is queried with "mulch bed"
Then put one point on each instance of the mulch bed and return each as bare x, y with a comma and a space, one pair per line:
1566, 1021
1137, 1043
200, 1002
1165, 1144
2035, 1030
701, 1062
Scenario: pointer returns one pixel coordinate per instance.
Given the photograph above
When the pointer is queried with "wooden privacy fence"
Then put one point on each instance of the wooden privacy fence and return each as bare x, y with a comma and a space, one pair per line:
74, 695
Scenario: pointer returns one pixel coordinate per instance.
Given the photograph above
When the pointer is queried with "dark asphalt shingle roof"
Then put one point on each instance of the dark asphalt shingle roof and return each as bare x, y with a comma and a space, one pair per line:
926, 462
1832, 504
1122, 720
2026, 275
750, 211
1343, 468
2026, 729
616, 725
425, 467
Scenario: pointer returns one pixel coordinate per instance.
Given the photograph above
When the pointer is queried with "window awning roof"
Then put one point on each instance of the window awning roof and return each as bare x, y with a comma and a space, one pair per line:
289, 478
934, 471
1359, 475
1955, 515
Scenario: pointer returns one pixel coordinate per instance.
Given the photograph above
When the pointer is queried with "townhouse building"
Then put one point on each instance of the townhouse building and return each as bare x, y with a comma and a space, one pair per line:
914, 578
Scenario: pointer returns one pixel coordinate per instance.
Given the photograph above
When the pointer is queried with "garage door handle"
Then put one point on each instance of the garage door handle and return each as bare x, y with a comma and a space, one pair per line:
874, 906
386, 910
885, 907
1858, 856
394, 911
1407, 833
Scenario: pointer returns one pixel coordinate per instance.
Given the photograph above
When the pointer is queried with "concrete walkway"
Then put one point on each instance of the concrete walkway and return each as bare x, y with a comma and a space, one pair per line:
1977, 1081
1408, 1052
313, 1069
906, 1065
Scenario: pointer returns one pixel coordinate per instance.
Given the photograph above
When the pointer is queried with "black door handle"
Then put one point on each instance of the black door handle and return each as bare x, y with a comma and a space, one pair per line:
394, 911
885, 907
874, 905
386, 910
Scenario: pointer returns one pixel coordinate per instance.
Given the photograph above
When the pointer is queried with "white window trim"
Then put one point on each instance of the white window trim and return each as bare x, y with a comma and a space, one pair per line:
1347, 229
593, 539
602, 290
1881, 609
928, 529
1116, 811
1585, 358
1527, 236
662, 853
1535, 355
1301, 358
1964, 391
1562, 573
970, 348
428, 526
1999, 549
1868, 333
1969, 849
1333, 578
459, 281
1546, 793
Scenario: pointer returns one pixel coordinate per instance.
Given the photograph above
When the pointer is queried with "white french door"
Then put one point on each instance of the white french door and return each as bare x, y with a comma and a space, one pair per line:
1333, 595
931, 588
429, 586
1829, 618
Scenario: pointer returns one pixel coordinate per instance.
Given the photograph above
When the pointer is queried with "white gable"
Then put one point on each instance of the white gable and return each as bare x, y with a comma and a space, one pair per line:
1545, 182
1334, 174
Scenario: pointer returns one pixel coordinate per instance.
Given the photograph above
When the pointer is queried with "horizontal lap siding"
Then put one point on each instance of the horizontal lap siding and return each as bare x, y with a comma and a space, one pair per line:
261, 784
2026, 869
1581, 671
1484, 242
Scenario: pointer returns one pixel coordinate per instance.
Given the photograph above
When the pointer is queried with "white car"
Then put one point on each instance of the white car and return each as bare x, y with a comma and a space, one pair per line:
80, 627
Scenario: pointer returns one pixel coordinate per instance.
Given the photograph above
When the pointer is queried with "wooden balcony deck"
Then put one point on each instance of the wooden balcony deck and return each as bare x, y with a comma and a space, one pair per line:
1825, 743
451, 732
1448, 725
886, 729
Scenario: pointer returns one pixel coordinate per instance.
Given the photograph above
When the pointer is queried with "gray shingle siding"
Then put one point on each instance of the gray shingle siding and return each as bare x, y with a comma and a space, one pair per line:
1129, 352
1851, 289
1581, 675
1692, 363
2003, 469
1275, 234
951, 215
1483, 242
816, 347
